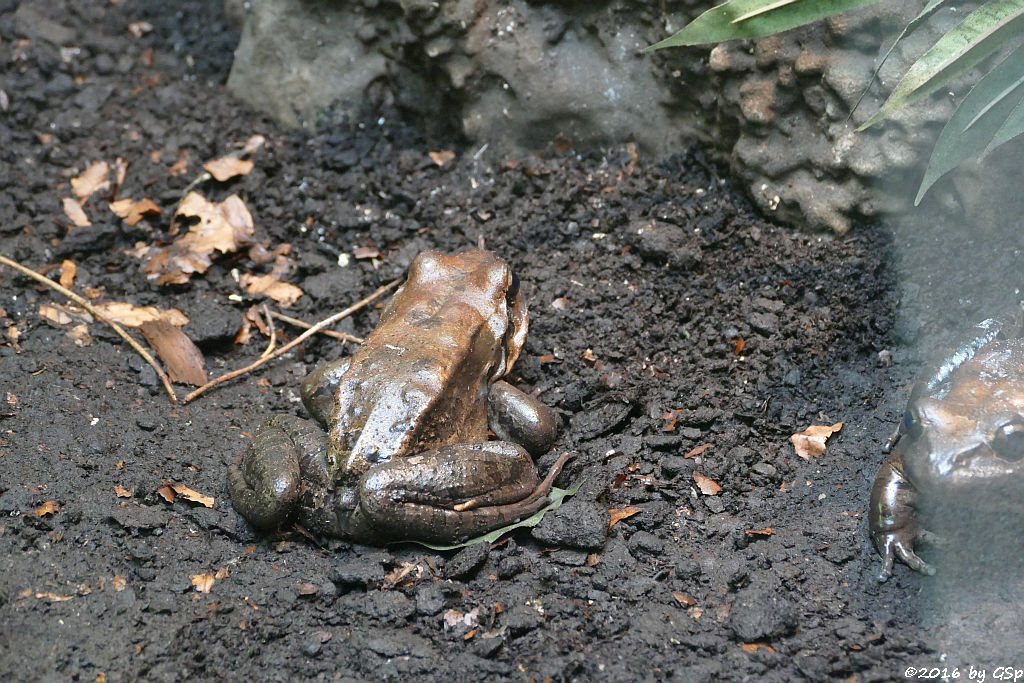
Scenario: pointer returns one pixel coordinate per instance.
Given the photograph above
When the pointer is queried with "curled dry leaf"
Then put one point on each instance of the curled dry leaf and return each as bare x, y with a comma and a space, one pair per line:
225, 227
166, 492
707, 486
92, 180
221, 574
441, 158
202, 582
184, 361
228, 167
283, 293
621, 514
75, 213
132, 211
812, 440
121, 492
119, 583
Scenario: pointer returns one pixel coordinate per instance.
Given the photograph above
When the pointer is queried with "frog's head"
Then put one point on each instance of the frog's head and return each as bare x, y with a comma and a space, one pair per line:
953, 444
470, 300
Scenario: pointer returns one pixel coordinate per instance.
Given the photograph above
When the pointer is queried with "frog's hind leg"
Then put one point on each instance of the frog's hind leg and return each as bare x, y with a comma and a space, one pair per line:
265, 484
454, 493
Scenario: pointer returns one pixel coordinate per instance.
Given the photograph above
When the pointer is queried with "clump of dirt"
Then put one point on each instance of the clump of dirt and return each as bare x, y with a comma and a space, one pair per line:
682, 338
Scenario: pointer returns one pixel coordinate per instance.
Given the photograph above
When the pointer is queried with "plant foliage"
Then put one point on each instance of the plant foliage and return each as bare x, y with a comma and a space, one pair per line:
990, 115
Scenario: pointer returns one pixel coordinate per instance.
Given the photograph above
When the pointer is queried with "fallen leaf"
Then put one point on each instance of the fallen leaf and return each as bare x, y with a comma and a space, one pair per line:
132, 211
283, 293
692, 454
228, 167
73, 210
135, 316
812, 440
80, 334
48, 508
225, 227
560, 304
708, 487
767, 531
185, 362
194, 496
588, 355
683, 599
621, 514
307, 589
166, 492
139, 28
122, 492
365, 252
180, 167
441, 158
53, 597
119, 583
54, 314
221, 574
753, 647
120, 172
253, 144
67, 274
737, 346
202, 582
92, 180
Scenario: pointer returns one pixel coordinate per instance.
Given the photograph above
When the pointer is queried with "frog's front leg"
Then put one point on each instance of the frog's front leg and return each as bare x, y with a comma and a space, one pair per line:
520, 418
285, 459
453, 493
320, 388
892, 518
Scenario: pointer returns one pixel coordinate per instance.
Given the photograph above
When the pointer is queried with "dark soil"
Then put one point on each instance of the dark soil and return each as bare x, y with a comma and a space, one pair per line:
666, 316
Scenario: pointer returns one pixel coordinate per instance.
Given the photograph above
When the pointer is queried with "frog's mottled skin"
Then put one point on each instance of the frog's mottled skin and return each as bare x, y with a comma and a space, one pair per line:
963, 427
406, 455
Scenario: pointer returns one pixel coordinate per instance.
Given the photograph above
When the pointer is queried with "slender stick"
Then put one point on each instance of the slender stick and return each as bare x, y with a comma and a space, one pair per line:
96, 314
270, 328
294, 342
343, 336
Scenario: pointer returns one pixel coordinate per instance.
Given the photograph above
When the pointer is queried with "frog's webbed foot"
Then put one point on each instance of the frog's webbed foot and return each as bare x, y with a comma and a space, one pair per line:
266, 483
454, 493
892, 519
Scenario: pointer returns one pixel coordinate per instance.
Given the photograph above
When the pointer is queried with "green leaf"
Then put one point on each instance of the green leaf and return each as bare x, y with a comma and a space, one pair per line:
555, 498
1011, 128
981, 33
924, 14
985, 113
754, 19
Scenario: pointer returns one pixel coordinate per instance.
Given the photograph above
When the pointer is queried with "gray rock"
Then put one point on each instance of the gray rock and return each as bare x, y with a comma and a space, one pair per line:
760, 612
577, 524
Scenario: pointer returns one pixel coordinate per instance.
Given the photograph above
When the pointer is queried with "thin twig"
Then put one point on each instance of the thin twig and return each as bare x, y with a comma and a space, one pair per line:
294, 342
270, 330
343, 336
99, 316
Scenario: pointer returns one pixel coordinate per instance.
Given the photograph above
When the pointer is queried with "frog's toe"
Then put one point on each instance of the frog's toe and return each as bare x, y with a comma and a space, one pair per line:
264, 485
897, 546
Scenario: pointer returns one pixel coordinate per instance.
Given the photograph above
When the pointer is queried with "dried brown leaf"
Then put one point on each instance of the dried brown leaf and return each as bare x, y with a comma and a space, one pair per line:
58, 315
621, 514
92, 180
121, 492
166, 492
135, 316
683, 599
67, 274
75, 213
283, 293
50, 507
812, 440
225, 227
80, 334
228, 167
441, 158
193, 496
221, 574
132, 211
119, 583
707, 486
693, 453
253, 144
185, 362
202, 582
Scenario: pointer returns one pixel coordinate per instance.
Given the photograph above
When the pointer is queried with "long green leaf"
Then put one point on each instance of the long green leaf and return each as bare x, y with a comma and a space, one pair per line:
555, 498
981, 115
924, 14
754, 19
1011, 128
981, 33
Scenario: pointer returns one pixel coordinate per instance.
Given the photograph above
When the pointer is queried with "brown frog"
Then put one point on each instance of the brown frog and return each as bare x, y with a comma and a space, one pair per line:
406, 455
963, 430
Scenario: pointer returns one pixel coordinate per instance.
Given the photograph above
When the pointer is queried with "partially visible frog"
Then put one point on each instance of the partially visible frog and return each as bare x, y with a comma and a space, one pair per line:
963, 430
406, 455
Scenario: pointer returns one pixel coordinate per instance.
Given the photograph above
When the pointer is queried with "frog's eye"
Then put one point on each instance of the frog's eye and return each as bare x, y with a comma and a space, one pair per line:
912, 423
513, 287
1008, 442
